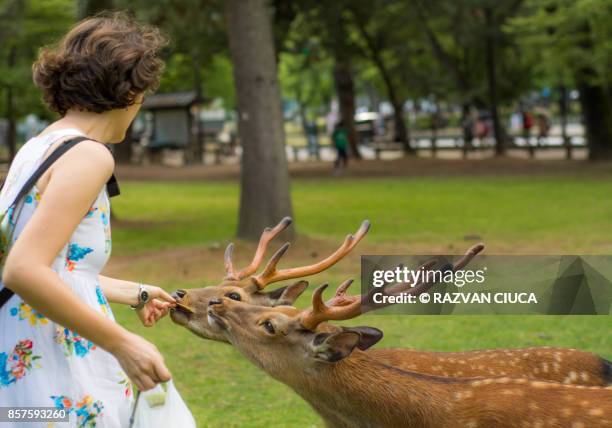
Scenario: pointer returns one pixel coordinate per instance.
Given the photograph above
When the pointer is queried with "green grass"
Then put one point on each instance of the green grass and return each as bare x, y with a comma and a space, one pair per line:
225, 390
555, 214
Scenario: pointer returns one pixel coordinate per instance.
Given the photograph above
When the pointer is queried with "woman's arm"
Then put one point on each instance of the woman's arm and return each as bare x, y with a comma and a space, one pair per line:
73, 185
126, 292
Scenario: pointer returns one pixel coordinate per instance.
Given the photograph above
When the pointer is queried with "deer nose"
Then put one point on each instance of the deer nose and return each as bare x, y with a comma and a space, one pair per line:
179, 294
216, 301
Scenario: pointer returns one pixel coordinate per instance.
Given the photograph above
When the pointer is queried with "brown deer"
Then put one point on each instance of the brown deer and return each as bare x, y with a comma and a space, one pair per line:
329, 367
556, 364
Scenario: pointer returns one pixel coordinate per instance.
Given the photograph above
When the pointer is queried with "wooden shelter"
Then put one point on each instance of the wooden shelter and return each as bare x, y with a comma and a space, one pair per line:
175, 124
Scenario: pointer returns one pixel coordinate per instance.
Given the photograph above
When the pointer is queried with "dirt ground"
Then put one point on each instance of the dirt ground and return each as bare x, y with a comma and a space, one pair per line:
408, 167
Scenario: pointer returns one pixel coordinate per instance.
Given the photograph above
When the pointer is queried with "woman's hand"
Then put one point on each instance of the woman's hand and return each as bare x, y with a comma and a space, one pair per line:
157, 307
140, 360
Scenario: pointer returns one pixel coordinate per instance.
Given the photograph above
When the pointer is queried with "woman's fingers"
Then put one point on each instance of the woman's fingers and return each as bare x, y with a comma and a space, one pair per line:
162, 372
160, 293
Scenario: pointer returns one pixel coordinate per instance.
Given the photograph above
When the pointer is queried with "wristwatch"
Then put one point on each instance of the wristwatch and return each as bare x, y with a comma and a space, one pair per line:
143, 297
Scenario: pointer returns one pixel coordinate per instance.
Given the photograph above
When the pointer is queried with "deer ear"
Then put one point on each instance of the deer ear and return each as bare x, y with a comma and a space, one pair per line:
286, 295
368, 336
333, 347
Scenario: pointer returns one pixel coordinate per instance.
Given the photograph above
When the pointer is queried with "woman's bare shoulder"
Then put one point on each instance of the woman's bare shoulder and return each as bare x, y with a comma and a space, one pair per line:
90, 155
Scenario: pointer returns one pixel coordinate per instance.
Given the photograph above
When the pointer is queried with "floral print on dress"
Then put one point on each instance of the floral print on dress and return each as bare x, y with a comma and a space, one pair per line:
91, 212
106, 309
86, 410
31, 198
104, 216
18, 363
26, 312
74, 254
72, 343
126, 384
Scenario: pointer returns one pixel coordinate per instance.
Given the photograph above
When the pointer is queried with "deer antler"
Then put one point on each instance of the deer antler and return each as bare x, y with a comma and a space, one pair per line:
270, 274
344, 307
267, 235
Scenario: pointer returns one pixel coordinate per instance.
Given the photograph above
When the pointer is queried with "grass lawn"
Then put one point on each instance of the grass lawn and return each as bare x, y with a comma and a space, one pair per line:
173, 234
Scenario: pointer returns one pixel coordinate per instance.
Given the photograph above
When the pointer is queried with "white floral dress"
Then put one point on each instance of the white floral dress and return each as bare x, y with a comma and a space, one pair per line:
41, 362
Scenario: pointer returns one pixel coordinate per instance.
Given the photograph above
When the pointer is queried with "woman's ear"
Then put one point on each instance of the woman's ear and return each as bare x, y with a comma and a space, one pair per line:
333, 347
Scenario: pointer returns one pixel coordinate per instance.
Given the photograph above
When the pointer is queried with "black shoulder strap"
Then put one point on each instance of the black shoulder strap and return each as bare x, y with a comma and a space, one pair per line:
112, 188
44, 166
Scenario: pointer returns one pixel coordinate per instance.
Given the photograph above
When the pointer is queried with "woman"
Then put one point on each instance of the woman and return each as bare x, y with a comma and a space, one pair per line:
59, 344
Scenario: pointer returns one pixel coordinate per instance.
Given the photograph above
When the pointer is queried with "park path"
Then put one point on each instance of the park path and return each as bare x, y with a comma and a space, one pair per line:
404, 167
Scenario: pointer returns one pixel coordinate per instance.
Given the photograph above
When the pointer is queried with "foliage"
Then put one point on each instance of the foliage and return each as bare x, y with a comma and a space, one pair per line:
197, 55
25, 26
568, 36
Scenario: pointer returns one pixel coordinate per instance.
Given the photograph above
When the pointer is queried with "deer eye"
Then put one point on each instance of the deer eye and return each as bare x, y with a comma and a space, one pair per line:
234, 296
269, 327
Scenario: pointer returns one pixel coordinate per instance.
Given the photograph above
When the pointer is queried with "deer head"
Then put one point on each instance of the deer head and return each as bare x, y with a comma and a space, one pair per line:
248, 287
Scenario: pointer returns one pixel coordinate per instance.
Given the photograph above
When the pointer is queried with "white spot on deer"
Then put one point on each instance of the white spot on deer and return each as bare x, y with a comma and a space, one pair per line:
596, 412
436, 368
533, 406
542, 385
557, 367
545, 367
471, 424
571, 377
566, 412
578, 425
558, 357
584, 376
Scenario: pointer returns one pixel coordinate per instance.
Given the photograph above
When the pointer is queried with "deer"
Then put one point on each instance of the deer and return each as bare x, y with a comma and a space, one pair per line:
554, 364
331, 368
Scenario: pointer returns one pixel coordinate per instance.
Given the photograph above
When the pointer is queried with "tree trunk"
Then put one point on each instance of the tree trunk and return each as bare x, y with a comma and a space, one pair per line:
563, 107
401, 131
498, 133
345, 89
264, 178
597, 119
11, 132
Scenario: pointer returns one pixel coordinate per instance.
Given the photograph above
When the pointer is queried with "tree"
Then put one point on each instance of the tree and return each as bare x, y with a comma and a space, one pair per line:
469, 39
25, 26
264, 178
572, 41
378, 25
325, 25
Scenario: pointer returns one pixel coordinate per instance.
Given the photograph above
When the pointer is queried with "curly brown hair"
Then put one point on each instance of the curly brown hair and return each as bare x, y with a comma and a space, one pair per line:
102, 64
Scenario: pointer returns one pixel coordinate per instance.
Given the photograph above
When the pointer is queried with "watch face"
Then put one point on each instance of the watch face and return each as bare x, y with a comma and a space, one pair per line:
144, 296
